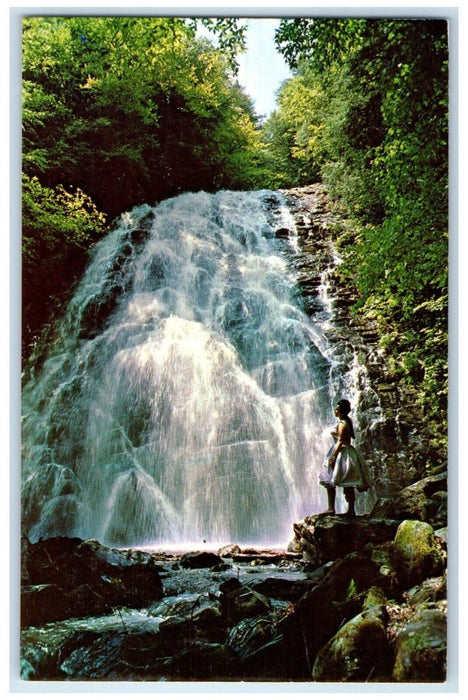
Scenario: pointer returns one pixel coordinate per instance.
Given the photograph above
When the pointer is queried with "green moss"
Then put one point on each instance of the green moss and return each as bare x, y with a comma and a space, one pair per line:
416, 554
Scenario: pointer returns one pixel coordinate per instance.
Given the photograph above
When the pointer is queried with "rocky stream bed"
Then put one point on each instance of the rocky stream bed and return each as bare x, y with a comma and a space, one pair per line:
351, 600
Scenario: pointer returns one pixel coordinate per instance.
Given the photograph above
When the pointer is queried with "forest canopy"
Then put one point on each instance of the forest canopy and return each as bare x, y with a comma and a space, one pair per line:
123, 110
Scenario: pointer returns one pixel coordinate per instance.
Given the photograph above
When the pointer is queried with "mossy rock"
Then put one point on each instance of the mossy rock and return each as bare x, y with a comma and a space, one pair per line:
360, 650
421, 648
417, 555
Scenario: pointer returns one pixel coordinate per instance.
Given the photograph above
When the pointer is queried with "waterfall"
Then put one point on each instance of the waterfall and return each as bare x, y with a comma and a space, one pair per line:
188, 396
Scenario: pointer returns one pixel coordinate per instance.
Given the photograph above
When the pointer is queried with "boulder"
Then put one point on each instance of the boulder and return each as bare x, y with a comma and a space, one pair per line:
283, 589
110, 656
425, 500
42, 603
324, 538
421, 647
239, 602
256, 651
200, 560
200, 661
69, 577
337, 598
417, 555
185, 606
442, 534
249, 635
228, 550
359, 651
206, 623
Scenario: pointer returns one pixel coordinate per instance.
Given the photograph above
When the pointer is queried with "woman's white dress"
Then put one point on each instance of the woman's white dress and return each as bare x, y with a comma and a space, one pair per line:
350, 468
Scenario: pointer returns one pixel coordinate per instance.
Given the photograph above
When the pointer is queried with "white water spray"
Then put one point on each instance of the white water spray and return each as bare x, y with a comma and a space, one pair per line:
188, 398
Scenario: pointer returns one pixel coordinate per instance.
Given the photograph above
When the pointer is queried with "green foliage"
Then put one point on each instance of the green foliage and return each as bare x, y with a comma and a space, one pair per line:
231, 37
382, 127
293, 134
58, 226
131, 109
351, 591
326, 40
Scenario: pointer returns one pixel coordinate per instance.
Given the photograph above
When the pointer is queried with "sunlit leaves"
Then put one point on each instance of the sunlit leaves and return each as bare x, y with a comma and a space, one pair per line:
231, 35
382, 145
55, 217
321, 40
58, 226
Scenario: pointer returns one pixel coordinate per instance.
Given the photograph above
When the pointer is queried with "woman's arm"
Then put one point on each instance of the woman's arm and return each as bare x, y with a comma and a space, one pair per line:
341, 430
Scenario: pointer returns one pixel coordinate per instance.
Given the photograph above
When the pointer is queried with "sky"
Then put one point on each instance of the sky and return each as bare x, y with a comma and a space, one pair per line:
262, 69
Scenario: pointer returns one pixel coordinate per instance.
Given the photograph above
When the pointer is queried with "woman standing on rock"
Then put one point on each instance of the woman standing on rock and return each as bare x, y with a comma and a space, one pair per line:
344, 465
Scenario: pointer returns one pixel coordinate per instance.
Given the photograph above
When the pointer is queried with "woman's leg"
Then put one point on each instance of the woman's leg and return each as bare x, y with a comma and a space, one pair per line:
350, 497
331, 500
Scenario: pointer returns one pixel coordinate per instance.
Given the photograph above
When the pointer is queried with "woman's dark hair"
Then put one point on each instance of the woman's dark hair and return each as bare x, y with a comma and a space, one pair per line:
345, 408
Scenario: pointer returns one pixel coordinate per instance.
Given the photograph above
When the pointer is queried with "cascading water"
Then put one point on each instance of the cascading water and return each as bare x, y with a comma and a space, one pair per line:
189, 395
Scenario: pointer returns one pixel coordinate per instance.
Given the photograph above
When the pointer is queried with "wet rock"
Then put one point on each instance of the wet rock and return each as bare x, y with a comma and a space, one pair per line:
89, 579
200, 560
200, 661
184, 607
421, 647
282, 233
206, 623
257, 555
283, 589
316, 573
256, 651
42, 603
238, 601
228, 550
417, 555
326, 537
112, 656
249, 635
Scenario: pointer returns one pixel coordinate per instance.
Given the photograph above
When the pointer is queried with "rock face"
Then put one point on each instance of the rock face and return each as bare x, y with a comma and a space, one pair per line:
424, 500
329, 537
392, 438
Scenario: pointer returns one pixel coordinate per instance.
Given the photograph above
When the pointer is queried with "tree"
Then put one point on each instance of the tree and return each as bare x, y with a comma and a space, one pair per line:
58, 227
384, 155
293, 133
129, 96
